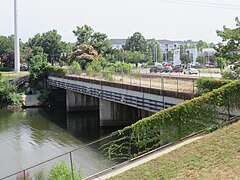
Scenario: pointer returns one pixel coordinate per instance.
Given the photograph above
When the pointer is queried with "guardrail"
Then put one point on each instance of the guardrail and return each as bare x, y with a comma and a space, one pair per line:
19, 81
135, 101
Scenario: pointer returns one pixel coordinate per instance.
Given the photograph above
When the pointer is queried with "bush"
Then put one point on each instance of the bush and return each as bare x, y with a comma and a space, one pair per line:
62, 172
75, 66
206, 84
55, 71
122, 67
228, 74
7, 93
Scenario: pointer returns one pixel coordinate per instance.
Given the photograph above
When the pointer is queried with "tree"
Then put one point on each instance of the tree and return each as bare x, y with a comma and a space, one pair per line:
202, 59
230, 46
83, 34
154, 46
221, 62
7, 92
38, 64
136, 42
201, 45
6, 45
84, 54
134, 57
51, 43
8, 60
185, 59
99, 41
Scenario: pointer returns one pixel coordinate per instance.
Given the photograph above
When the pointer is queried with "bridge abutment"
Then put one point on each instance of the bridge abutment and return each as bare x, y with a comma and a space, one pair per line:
80, 102
112, 113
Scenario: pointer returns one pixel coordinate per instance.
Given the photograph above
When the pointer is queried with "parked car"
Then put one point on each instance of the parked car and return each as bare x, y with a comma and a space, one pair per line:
177, 69
190, 71
167, 69
156, 69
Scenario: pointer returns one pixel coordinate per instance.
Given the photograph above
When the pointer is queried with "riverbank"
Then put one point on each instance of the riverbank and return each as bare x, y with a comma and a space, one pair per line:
215, 156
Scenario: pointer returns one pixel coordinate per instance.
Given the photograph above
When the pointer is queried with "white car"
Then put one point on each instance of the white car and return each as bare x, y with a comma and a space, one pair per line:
190, 71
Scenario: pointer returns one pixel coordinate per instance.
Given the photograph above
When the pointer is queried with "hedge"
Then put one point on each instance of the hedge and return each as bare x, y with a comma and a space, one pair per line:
172, 124
207, 84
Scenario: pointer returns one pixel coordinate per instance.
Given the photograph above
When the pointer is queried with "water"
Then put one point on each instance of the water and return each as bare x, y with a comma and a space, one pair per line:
31, 136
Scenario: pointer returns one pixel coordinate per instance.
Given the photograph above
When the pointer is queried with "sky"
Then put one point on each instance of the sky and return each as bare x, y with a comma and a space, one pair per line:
159, 19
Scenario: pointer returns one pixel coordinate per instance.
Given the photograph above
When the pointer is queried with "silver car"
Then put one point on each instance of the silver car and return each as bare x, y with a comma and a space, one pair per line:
190, 71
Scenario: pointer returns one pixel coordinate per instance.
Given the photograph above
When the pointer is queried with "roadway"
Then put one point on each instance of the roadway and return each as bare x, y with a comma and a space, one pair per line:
180, 75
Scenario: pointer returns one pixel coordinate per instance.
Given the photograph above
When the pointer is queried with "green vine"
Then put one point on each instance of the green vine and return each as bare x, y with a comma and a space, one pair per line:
204, 112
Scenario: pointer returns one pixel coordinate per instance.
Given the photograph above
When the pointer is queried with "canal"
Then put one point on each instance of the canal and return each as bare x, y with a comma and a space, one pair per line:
31, 136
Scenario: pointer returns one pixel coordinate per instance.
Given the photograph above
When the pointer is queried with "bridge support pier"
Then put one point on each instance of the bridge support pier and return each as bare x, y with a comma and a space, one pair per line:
111, 113
80, 102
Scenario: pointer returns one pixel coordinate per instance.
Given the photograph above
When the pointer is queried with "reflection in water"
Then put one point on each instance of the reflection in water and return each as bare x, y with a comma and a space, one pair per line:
31, 136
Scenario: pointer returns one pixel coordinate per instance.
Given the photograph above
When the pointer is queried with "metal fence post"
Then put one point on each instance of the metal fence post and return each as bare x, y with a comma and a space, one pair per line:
193, 86
162, 83
24, 174
177, 85
71, 165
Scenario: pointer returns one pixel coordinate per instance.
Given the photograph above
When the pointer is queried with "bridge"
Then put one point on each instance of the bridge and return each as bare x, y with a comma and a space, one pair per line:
118, 104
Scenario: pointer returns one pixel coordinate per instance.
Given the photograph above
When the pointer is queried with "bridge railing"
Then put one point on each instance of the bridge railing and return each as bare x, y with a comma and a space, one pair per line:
167, 81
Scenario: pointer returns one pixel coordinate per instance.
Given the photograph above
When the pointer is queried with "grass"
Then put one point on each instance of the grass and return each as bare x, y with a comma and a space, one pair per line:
12, 75
216, 156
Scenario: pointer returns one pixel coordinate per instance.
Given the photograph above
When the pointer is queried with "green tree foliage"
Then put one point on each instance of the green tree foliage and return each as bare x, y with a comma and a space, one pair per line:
83, 34
221, 62
154, 47
38, 65
99, 41
136, 42
230, 46
202, 59
51, 43
201, 45
185, 59
7, 51
75, 66
134, 57
7, 93
6, 44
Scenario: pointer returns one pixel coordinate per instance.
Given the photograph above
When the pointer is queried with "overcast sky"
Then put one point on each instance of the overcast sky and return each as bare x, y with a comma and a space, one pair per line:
159, 19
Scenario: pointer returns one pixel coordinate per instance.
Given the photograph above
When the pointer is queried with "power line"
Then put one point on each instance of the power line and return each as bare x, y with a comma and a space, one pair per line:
209, 5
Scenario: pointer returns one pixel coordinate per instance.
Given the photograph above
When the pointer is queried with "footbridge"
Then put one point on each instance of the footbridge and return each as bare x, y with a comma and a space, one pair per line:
117, 103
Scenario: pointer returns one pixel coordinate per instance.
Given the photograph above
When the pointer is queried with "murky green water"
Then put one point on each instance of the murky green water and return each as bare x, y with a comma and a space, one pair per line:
31, 136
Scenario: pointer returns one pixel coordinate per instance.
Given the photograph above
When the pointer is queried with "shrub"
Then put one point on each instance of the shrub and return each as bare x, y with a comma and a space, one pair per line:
55, 71
62, 172
7, 93
206, 84
228, 74
75, 66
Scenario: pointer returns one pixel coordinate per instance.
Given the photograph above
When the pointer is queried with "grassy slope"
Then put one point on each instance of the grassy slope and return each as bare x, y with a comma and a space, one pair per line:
216, 156
12, 75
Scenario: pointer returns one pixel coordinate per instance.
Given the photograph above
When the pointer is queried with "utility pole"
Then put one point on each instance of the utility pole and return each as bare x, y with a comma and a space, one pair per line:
16, 40
156, 51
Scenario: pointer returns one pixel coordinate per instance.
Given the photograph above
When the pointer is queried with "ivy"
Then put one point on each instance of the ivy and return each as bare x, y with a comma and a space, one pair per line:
201, 113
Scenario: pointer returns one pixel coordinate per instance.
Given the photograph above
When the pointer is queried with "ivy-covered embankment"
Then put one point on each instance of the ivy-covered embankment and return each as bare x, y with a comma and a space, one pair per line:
204, 112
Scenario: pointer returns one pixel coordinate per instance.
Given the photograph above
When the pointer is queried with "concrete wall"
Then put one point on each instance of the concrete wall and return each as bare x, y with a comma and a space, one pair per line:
80, 102
111, 113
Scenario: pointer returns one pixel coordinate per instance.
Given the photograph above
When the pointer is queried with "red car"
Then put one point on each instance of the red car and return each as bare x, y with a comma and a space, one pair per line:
177, 69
